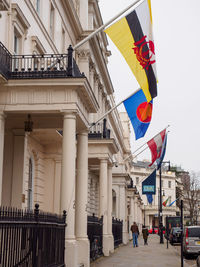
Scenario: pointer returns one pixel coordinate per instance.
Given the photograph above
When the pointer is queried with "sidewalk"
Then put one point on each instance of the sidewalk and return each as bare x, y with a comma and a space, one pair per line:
153, 255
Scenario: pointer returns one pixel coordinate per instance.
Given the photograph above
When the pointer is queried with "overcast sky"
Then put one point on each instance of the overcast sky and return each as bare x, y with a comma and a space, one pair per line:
176, 28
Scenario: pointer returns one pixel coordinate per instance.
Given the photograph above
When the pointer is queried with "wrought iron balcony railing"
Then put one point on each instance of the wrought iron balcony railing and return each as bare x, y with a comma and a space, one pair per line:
99, 131
38, 66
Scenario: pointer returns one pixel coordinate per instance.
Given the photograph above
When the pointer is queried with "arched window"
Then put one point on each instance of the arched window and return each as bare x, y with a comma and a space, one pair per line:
30, 185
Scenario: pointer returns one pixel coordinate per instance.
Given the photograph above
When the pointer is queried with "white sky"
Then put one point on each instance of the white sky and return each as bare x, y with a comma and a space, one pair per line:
176, 28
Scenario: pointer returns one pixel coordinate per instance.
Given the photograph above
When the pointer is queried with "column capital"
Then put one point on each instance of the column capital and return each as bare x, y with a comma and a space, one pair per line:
2, 115
103, 160
69, 114
83, 132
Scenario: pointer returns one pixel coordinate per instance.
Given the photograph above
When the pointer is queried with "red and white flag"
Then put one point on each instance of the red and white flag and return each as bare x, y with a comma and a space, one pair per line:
155, 145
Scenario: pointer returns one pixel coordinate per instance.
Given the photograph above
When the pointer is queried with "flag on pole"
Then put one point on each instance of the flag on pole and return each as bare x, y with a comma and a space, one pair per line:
149, 184
165, 202
155, 145
149, 198
133, 37
139, 112
163, 150
172, 202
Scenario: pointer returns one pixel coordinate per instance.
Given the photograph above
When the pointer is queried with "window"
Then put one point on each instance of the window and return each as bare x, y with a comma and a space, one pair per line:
16, 48
63, 41
37, 6
52, 21
169, 184
137, 180
30, 185
16, 44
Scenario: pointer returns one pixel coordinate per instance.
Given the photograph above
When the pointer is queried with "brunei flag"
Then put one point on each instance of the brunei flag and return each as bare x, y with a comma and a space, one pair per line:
133, 37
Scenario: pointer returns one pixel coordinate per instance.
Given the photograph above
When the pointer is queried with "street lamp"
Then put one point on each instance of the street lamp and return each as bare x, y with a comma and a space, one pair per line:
160, 210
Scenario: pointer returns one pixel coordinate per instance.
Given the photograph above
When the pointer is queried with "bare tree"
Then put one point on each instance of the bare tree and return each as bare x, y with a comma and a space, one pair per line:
191, 192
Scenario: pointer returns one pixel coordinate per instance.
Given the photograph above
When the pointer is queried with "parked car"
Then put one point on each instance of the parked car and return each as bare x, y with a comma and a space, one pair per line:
191, 240
198, 261
153, 230
175, 235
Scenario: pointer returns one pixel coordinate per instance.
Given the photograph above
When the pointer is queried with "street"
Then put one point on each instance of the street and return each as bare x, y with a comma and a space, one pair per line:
153, 255
191, 261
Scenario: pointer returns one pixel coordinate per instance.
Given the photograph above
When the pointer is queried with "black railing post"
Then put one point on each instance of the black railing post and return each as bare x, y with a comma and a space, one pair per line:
104, 128
36, 212
35, 236
70, 61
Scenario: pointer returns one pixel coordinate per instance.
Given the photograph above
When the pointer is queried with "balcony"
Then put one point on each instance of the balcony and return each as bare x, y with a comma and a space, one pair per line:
99, 131
38, 66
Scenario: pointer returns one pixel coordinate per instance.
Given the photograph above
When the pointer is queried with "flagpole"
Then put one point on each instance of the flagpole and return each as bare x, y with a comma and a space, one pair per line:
136, 3
110, 110
132, 154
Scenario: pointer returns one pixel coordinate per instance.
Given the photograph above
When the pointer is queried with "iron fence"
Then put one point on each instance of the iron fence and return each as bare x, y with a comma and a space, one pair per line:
38, 66
117, 226
95, 236
31, 238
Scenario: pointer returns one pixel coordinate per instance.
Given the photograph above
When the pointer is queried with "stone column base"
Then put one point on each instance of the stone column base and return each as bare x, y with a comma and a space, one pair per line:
83, 252
106, 245
125, 238
111, 243
71, 256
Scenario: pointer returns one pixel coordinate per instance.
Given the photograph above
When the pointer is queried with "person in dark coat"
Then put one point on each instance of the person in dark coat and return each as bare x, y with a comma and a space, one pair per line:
145, 234
135, 233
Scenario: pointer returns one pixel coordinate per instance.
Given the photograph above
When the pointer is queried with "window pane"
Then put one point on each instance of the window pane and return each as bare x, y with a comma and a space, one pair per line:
194, 232
38, 6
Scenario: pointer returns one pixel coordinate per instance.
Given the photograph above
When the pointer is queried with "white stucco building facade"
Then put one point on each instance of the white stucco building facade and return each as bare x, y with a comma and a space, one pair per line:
62, 163
140, 171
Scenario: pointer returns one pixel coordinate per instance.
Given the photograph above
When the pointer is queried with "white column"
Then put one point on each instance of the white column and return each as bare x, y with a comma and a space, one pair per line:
131, 217
2, 130
81, 199
68, 186
103, 198
122, 205
135, 210
111, 239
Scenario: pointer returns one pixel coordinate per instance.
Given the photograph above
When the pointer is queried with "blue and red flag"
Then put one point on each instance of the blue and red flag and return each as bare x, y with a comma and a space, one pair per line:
139, 112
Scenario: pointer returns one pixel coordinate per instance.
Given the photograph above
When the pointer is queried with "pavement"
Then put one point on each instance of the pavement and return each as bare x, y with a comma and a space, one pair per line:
152, 255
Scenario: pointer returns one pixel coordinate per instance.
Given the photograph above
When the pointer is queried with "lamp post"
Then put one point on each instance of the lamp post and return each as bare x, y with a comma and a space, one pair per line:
160, 210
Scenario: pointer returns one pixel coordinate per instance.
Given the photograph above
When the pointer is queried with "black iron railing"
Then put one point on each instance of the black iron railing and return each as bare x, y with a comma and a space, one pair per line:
95, 236
38, 66
99, 131
117, 226
5, 61
31, 238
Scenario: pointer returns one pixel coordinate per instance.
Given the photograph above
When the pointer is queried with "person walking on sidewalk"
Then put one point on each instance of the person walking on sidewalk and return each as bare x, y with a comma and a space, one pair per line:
135, 233
145, 234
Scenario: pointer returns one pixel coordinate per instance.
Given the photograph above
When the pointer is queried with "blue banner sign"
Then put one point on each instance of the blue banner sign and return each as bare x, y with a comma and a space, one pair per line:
148, 189
149, 184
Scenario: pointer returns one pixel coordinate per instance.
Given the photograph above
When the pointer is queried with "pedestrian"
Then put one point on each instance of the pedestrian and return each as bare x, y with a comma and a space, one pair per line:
145, 234
135, 233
